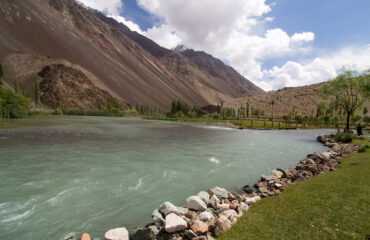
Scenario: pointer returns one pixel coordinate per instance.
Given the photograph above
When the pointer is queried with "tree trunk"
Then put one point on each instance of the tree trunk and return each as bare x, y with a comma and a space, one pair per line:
348, 118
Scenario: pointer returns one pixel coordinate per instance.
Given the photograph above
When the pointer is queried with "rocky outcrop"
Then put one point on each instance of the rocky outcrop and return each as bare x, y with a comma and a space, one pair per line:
68, 88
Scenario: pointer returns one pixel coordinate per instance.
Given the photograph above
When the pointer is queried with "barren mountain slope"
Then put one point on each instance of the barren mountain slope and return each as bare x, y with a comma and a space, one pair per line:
197, 67
303, 99
37, 33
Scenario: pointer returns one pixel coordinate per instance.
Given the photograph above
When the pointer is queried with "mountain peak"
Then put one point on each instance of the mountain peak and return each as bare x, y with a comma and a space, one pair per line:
181, 48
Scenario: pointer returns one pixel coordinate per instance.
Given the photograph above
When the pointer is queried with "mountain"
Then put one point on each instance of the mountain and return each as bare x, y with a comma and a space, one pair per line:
87, 52
303, 100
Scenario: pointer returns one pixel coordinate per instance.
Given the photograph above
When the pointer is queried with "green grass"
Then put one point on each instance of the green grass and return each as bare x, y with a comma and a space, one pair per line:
243, 123
334, 205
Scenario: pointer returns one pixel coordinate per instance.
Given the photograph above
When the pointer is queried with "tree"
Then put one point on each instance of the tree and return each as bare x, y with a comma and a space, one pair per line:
37, 96
16, 86
247, 110
349, 90
1, 73
286, 119
364, 112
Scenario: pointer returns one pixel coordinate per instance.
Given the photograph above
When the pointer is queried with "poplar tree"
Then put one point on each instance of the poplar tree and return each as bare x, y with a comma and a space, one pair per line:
1, 73
37, 94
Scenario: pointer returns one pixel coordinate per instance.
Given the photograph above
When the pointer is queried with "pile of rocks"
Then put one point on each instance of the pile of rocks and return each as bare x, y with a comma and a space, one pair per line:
203, 217
312, 165
212, 212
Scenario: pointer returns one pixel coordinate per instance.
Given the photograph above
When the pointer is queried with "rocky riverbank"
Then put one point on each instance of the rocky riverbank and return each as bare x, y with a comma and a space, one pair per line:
209, 213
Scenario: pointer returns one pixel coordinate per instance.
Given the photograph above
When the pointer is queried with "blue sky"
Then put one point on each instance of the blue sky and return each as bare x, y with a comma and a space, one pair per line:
274, 43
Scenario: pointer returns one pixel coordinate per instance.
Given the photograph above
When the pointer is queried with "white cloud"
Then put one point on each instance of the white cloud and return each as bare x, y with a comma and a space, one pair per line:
236, 31
228, 29
303, 37
318, 70
106, 6
131, 25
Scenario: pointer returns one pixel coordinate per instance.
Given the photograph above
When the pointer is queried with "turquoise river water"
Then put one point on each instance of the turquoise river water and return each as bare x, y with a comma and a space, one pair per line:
91, 174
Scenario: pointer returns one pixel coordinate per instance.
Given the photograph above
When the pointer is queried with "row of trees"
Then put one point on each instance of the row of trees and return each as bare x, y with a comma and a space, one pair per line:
12, 104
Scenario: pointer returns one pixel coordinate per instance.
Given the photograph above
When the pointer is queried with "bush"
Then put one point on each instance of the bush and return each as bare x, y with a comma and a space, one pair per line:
58, 111
344, 137
13, 104
363, 148
179, 114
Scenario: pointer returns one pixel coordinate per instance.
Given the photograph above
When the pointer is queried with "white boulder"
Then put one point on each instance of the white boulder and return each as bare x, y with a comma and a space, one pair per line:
175, 223
117, 234
195, 203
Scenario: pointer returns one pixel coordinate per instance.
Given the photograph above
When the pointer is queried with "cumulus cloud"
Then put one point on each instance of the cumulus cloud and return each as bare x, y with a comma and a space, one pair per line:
131, 25
106, 6
318, 70
228, 29
237, 31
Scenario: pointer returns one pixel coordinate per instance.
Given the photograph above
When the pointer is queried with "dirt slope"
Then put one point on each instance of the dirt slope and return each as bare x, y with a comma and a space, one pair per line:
38, 33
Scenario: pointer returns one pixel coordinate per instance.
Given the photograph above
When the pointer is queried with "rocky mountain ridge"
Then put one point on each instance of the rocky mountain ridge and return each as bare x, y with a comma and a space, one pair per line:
130, 67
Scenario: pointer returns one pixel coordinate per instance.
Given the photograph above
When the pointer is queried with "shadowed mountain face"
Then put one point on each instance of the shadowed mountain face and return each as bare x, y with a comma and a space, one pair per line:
123, 64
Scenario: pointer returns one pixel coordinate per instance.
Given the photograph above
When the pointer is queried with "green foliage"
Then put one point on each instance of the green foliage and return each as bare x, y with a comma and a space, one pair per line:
37, 92
365, 111
356, 118
348, 91
13, 105
344, 137
1, 73
320, 109
367, 119
363, 147
16, 86
192, 114
299, 118
179, 114
58, 111
178, 106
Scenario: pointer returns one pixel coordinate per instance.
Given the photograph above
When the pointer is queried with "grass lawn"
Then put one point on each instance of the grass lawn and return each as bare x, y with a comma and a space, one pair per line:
334, 205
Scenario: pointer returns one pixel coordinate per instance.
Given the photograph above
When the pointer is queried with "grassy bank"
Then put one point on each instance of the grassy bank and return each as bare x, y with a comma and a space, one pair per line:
255, 124
335, 205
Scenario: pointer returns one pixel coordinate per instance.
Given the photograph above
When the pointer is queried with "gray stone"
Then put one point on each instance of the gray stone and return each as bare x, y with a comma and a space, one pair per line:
207, 217
175, 223
158, 218
167, 208
195, 203
69, 236
154, 229
214, 201
189, 234
204, 196
220, 210
219, 192
142, 234
183, 210
277, 173
248, 189
229, 214
223, 223
117, 234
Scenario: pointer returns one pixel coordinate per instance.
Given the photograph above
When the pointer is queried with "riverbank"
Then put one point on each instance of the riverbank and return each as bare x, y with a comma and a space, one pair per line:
262, 124
330, 206
212, 212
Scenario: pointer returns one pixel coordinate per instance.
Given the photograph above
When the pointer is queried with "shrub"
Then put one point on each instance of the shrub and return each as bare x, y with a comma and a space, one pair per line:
58, 111
13, 104
344, 137
179, 114
363, 148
